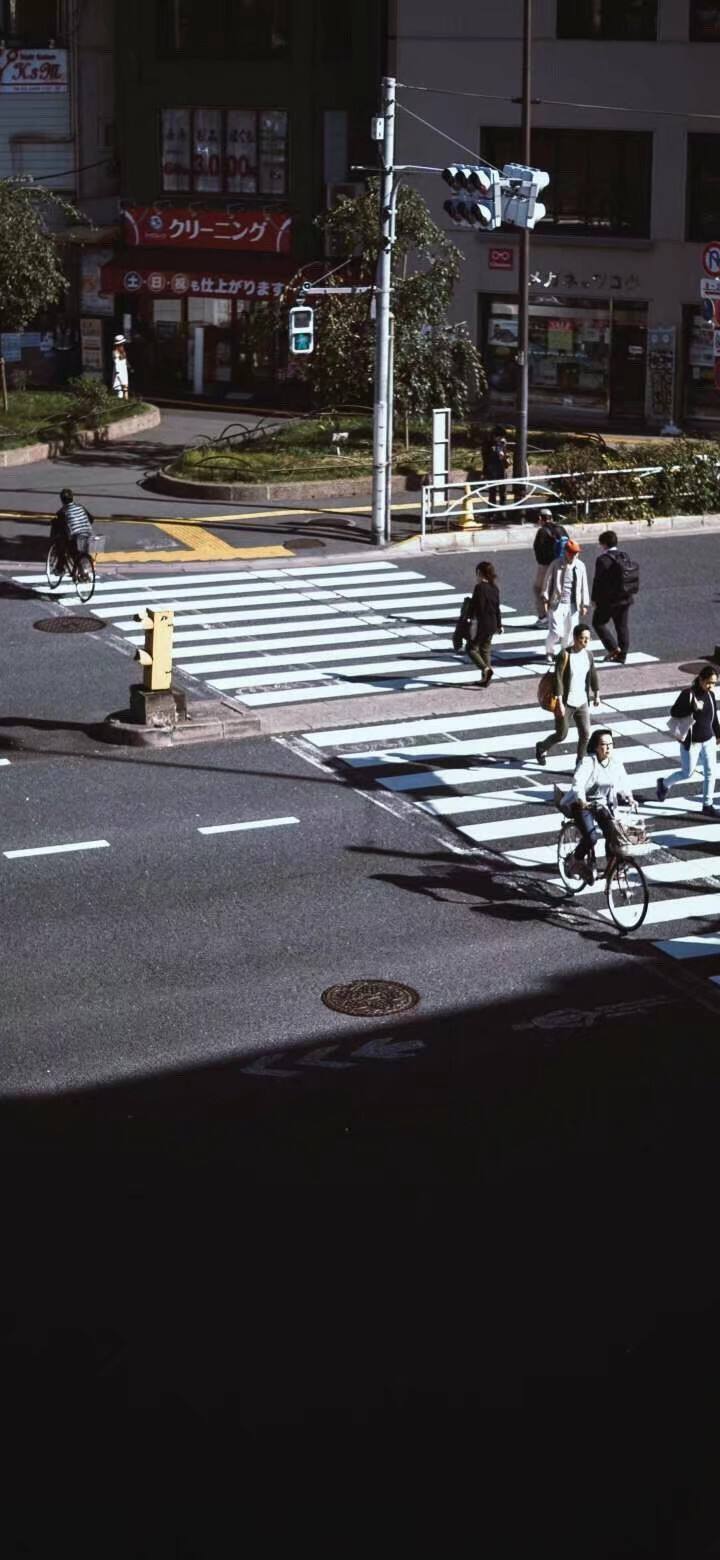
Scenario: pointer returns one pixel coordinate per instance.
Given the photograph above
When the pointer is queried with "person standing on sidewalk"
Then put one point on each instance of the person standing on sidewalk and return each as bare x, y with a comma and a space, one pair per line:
611, 599
548, 535
495, 463
566, 598
576, 680
485, 620
120, 369
696, 707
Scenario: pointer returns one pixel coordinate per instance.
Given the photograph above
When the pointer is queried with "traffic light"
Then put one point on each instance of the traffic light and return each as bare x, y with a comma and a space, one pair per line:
301, 322
156, 658
476, 200
520, 188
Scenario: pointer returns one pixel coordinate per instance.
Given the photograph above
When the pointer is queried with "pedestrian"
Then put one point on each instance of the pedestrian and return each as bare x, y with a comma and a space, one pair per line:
615, 581
565, 598
120, 377
485, 620
546, 544
576, 680
696, 724
600, 778
495, 462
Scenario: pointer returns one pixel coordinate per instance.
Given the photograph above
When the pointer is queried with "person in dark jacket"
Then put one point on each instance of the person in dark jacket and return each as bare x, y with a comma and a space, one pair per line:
697, 705
545, 547
609, 600
495, 463
576, 680
485, 620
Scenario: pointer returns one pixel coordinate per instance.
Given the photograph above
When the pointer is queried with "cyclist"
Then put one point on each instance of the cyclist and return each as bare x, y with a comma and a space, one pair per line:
600, 780
71, 532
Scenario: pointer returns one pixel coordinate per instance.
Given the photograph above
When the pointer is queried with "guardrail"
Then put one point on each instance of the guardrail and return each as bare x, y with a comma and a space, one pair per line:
470, 503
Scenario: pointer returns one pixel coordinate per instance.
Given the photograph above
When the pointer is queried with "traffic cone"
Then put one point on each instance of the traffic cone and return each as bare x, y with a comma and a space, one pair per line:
467, 512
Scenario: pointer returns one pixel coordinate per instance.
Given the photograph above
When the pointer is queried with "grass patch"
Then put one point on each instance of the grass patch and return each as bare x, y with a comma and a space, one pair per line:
38, 416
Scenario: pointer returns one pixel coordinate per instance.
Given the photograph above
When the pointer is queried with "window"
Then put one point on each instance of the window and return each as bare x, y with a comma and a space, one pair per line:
231, 151
250, 29
703, 184
32, 22
599, 179
704, 21
626, 20
335, 30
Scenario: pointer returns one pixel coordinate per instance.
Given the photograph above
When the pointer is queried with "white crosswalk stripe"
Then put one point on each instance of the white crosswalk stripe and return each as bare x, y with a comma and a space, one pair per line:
477, 773
312, 632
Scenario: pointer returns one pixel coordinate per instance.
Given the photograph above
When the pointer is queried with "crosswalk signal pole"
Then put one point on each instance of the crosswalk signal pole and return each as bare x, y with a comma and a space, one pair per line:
382, 407
521, 405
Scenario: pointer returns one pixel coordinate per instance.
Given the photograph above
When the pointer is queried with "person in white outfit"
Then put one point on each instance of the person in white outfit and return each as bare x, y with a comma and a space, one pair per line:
120, 377
566, 598
601, 778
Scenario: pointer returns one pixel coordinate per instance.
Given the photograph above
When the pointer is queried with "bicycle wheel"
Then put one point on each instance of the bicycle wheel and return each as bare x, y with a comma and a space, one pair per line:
627, 894
53, 569
85, 577
568, 841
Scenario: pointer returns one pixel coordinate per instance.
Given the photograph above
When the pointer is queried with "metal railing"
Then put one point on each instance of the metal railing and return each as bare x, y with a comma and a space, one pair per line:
448, 503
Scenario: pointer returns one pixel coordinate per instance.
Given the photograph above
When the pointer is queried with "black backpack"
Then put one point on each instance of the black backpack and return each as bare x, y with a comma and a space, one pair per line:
627, 575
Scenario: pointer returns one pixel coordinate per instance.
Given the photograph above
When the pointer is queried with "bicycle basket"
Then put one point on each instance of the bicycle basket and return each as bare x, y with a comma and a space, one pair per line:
626, 833
97, 545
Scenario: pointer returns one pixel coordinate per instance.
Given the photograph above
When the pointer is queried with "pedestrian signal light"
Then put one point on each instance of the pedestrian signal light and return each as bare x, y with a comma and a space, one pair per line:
156, 656
301, 323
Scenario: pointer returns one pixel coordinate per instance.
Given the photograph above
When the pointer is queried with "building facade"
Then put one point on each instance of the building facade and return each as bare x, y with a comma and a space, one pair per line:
57, 129
619, 87
238, 122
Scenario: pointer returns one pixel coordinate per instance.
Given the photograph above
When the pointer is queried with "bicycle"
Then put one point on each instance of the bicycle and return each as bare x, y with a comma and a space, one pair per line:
626, 888
81, 571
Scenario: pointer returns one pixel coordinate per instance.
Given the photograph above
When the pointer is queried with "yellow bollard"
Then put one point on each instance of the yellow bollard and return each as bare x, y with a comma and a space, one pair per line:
467, 512
156, 657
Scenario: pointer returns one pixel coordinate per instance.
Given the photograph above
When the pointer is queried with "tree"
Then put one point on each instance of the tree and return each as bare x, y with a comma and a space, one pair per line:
436, 363
31, 274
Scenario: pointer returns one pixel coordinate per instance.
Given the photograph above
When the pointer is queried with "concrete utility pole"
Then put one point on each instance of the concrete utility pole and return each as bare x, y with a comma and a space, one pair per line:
382, 410
521, 405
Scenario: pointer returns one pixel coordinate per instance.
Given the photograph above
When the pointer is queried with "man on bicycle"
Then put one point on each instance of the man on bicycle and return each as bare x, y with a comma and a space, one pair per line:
599, 783
71, 532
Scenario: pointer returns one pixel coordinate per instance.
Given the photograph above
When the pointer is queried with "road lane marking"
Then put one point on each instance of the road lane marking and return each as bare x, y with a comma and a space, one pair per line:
257, 823
56, 850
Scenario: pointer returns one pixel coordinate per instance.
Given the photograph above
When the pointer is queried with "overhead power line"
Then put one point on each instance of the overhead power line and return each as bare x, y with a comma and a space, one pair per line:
605, 108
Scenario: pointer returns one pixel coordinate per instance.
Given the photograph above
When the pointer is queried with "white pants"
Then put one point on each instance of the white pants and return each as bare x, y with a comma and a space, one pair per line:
561, 621
703, 753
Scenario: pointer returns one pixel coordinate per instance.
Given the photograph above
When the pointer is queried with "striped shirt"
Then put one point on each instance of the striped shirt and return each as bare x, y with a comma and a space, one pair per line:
77, 520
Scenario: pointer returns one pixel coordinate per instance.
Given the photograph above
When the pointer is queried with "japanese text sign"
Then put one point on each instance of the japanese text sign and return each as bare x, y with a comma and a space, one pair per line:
265, 232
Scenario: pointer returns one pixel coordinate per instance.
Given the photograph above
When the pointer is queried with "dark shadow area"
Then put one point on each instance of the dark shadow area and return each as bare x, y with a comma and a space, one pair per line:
482, 1239
30, 548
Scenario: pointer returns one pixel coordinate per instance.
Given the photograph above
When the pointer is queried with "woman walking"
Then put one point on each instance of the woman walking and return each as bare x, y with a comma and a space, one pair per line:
485, 620
695, 718
120, 379
576, 681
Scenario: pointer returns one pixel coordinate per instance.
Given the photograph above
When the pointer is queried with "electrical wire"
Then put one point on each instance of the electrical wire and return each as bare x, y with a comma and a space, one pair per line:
477, 159
606, 108
64, 172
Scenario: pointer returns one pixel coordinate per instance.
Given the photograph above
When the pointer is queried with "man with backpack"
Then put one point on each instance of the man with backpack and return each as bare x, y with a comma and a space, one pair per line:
615, 583
546, 547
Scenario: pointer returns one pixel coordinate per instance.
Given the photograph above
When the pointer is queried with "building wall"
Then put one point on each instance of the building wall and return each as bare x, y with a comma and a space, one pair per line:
477, 49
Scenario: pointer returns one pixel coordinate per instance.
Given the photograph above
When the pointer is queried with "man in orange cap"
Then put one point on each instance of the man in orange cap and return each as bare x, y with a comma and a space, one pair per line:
566, 598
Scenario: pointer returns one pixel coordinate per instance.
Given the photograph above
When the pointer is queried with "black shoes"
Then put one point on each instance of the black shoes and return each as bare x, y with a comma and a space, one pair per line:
710, 811
539, 755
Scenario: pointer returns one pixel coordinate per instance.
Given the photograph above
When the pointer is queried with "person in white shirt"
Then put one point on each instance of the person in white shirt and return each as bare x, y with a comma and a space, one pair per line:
600, 778
566, 598
120, 376
575, 681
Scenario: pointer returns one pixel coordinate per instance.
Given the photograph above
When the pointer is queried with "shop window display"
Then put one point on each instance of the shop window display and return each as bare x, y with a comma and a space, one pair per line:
569, 354
702, 398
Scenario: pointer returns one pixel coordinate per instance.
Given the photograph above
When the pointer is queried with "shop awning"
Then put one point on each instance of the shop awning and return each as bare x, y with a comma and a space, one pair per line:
164, 273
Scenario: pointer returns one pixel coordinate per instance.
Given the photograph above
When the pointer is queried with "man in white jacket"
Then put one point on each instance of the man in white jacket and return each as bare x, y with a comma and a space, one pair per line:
566, 598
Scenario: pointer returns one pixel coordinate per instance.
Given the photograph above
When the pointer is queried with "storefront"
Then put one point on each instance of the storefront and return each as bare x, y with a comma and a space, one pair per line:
195, 290
586, 356
702, 367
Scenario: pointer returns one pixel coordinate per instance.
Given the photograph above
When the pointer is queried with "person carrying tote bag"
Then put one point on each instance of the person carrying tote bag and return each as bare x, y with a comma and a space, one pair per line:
694, 722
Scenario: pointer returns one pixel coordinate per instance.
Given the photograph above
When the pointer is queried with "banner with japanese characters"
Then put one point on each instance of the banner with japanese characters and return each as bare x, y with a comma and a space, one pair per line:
189, 227
179, 284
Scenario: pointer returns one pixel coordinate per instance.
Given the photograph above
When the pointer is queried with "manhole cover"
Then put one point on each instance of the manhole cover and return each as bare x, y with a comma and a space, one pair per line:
69, 625
299, 542
370, 998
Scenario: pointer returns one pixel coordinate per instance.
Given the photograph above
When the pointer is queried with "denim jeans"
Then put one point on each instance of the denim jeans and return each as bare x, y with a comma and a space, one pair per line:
703, 753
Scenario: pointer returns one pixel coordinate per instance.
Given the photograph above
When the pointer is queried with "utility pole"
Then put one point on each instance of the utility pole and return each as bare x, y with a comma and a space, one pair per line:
382, 409
521, 405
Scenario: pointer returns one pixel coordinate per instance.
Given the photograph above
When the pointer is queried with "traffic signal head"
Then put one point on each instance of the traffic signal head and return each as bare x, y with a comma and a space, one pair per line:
520, 189
476, 202
301, 329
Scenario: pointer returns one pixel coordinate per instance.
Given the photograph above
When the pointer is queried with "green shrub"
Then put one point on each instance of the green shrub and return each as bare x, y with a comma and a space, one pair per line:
91, 404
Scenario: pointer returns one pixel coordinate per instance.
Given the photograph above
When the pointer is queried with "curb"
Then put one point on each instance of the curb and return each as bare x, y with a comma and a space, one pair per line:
27, 454
522, 534
208, 720
265, 492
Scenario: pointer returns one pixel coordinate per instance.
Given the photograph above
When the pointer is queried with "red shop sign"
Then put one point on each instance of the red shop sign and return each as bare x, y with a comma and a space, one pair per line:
186, 227
501, 259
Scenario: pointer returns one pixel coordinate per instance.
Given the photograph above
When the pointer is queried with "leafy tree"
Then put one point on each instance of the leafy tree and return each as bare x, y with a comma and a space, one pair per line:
435, 363
31, 274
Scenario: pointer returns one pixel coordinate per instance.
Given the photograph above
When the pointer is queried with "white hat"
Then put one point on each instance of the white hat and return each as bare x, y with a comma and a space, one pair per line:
118, 340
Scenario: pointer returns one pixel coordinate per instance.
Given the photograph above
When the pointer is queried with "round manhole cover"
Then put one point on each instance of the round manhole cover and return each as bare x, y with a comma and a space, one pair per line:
371, 998
298, 542
69, 625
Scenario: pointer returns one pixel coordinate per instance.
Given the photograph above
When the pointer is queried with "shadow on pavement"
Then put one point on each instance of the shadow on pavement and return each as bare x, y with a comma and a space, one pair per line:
485, 1235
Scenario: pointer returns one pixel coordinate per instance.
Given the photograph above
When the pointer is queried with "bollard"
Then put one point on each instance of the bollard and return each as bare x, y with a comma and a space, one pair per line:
467, 513
156, 657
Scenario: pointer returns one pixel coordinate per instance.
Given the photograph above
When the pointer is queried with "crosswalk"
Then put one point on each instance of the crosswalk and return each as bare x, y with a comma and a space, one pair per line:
294, 635
477, 774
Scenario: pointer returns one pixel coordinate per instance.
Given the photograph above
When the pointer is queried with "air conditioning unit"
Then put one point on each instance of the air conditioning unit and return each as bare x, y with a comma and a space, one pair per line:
334, 193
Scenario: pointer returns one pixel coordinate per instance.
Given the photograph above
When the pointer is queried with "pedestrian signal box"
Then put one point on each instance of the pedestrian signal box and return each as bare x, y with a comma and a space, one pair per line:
156, 656
301, 322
